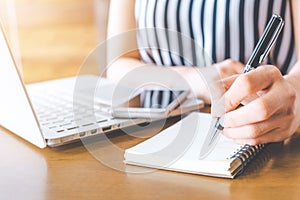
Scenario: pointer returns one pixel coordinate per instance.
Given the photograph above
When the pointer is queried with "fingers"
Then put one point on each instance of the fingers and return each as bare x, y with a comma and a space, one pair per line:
276, 135
228, 81
275, 101
269, 117
257, 130
273, 130
229, 67
256, 111
250, 83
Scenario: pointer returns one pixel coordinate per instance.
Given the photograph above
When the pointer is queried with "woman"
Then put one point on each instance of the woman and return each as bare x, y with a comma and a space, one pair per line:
227, 30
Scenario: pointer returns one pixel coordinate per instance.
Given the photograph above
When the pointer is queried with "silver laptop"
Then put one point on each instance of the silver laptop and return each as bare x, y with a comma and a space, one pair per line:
59, 111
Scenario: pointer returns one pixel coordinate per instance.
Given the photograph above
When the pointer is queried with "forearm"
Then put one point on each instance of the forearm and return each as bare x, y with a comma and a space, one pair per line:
190, 76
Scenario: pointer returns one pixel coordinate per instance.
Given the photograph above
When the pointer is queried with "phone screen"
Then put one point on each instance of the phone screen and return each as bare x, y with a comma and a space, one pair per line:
151, 103
158, 98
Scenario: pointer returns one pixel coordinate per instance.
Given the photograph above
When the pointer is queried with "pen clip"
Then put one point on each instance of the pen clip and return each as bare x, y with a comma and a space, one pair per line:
266, 41
272, 42
273, 39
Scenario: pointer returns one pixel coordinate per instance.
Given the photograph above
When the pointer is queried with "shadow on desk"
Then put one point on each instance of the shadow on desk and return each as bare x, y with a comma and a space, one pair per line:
274, 174
274, 153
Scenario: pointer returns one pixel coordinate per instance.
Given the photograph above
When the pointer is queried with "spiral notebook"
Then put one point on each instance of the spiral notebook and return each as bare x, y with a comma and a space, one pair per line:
177, 148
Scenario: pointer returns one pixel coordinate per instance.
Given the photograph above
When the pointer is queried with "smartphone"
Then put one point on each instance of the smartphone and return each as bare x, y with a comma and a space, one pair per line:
151, 103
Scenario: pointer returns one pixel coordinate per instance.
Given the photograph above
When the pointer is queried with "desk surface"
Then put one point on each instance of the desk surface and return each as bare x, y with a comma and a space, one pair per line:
71, 172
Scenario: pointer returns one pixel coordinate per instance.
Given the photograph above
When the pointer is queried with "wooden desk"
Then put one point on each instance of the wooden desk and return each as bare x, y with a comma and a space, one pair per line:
71, 172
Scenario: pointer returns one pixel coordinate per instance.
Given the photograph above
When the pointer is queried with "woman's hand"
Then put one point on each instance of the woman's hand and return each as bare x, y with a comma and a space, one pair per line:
271, 116
229, 68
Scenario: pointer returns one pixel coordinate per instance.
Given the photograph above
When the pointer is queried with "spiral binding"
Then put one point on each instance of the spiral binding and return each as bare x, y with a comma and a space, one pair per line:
246, 154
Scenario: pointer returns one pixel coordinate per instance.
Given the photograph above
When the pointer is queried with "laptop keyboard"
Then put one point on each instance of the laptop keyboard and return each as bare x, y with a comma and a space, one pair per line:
60, 112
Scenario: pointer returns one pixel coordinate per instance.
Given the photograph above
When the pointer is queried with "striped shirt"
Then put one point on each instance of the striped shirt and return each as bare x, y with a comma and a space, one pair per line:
202, 32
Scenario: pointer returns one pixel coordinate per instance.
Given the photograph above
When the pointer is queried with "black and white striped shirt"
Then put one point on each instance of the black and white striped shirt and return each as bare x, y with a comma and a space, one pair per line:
178, 32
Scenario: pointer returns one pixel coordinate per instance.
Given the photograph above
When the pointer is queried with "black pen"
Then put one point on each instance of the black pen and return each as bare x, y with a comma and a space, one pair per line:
262, 49
265, 43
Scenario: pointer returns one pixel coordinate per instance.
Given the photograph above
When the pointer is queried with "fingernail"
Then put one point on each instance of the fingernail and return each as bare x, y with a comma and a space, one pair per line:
218, 107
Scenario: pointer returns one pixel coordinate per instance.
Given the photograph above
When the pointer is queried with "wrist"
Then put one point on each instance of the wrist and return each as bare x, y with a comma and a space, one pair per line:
293, 80
193, 77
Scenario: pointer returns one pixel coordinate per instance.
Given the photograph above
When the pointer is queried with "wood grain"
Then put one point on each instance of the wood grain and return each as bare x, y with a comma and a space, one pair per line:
71, 172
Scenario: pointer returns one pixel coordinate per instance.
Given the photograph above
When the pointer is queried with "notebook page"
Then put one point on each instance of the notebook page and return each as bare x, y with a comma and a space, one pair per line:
180, 141
217, 163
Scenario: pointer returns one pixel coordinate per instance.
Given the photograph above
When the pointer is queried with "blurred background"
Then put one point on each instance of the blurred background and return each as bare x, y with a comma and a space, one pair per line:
51, 38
